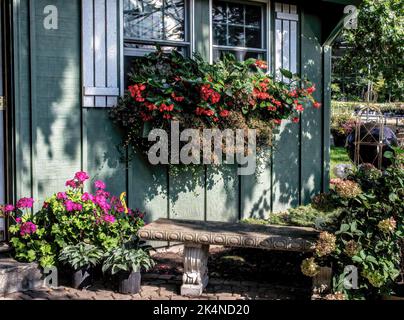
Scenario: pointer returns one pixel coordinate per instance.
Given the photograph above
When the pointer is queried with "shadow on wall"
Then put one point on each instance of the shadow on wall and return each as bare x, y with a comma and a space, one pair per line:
48, 126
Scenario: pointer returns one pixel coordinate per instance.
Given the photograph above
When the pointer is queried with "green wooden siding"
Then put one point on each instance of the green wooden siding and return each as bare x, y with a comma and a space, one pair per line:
56, 136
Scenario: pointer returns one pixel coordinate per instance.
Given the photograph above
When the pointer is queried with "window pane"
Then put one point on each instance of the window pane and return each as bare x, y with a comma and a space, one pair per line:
253, 38
236, 36
219, 12
253, 15
236, 13
240, 55
154, 19
219, 35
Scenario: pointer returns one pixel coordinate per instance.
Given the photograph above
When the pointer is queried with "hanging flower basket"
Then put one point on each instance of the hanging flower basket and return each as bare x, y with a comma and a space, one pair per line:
165, 87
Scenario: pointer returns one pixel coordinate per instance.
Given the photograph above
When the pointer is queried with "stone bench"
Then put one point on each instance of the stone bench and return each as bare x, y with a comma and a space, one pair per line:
197, 236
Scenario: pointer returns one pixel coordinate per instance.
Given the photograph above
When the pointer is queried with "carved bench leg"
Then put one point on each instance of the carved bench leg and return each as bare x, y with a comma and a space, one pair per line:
195, 277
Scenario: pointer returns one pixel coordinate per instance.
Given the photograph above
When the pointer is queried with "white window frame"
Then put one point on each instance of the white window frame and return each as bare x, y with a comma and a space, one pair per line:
267, 31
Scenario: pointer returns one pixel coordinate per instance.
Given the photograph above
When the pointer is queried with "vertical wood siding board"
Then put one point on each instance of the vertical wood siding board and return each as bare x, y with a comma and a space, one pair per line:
112, 48
278, 46
100, 49
293, 47
88, 49
311, 163
223, 196
285, 47
326, 117
33, 94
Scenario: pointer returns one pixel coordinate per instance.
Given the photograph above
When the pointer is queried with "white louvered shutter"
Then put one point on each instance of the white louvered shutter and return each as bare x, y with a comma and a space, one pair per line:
286, 36
101, 52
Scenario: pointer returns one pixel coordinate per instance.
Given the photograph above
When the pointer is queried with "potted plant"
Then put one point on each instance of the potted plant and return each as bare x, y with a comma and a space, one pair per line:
81, 258
126, 264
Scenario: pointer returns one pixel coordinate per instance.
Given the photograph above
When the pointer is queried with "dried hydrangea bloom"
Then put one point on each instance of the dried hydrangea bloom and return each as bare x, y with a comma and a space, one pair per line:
387, 225
335, 296
325, 244
348, 189
352, 248
309, 267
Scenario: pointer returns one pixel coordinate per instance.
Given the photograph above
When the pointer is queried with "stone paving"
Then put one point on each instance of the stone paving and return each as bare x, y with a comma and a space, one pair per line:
157, 287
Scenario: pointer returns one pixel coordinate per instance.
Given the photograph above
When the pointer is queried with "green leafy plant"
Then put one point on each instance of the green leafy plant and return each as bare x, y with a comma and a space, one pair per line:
127, 260
368, 232
81, 256
69, 218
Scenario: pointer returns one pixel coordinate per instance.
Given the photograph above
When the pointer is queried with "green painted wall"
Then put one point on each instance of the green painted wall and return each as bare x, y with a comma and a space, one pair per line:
56, 137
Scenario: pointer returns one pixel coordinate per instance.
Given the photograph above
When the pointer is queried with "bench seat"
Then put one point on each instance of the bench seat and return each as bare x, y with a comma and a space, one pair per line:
197, 236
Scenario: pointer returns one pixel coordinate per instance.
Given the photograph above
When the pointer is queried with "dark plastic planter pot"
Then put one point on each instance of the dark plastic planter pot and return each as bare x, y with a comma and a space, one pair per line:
129, 283
82, 278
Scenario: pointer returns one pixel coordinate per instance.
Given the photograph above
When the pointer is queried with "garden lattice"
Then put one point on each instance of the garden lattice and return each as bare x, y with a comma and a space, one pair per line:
365, 137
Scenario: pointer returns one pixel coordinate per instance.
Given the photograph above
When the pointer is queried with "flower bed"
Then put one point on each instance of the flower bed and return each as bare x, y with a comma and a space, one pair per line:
228, 94
78, 229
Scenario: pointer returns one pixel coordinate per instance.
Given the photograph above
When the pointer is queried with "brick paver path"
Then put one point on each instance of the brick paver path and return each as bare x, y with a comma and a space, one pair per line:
167, 288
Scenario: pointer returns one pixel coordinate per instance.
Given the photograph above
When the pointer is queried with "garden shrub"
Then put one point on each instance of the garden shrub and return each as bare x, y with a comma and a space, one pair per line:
368, 231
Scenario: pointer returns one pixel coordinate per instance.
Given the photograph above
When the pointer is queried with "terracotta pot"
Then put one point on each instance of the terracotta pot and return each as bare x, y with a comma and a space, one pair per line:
129, 283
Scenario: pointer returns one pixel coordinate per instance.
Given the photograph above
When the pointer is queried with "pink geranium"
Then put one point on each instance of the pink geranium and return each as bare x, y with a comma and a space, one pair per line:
18, 220
81, 176
9, 208
71, 206
61, 196
102, 202
109, 218
87, 197
28, 228
100, 185
103, 193
25, 203
71, 184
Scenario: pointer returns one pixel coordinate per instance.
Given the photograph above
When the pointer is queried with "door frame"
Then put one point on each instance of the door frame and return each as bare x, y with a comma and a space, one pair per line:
6, 36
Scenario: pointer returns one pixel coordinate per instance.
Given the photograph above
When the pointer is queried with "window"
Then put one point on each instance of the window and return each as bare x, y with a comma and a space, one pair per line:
238, 28
151, 22
148, 23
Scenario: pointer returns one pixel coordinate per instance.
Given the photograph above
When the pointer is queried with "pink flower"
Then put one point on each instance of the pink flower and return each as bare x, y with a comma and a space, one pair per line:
18, 220
25, 203
71, 184
103, 193
100, 185
28, 228
87, 197
71, 206
109, 218
102, 202
61, 196
9, 208
81, 176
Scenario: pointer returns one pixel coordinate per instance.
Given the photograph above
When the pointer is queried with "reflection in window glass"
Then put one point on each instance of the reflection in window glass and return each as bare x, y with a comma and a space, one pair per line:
154, 19
240, 26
